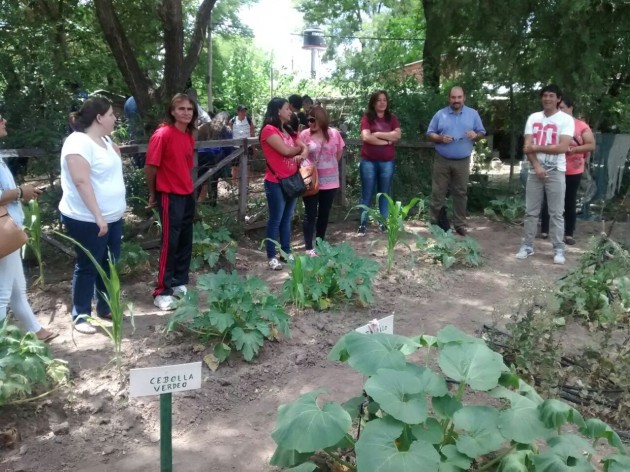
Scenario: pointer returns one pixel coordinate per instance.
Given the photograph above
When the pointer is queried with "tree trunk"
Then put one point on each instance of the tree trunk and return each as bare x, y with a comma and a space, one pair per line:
433, 46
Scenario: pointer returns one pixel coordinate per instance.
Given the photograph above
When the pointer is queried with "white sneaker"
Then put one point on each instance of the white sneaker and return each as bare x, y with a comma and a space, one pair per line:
164, 302
180, 291
274, 264
524, 252
311, 253
558, 257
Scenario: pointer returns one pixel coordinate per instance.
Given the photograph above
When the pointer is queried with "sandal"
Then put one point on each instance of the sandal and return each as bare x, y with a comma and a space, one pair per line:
45, 335
569, 240
85, 328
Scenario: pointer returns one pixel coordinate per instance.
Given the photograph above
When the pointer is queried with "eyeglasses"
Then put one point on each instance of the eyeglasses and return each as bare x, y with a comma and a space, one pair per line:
311, 119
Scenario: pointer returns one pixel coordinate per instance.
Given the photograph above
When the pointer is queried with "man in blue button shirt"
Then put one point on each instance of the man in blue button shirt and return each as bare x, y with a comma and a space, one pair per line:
453, 129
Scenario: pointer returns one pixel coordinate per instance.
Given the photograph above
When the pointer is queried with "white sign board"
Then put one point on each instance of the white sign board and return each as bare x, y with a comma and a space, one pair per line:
384, 325
164, 379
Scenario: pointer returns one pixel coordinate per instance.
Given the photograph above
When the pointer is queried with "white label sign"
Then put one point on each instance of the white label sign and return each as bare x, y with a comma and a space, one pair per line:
384, 325
164, 379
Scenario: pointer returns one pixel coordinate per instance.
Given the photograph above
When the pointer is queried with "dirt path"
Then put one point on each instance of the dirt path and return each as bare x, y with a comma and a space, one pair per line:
226, 425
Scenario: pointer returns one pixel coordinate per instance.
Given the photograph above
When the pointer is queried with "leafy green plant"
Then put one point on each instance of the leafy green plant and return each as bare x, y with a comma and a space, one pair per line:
132, 258
598, 290
508, 209
33, 227
113, 298
336, 274
394, 224
239, 313
26, 366
448, 249
210, 245
400, 433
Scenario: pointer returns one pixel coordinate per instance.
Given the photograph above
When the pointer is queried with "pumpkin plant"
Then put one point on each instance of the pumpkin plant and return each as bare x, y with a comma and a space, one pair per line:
409, 420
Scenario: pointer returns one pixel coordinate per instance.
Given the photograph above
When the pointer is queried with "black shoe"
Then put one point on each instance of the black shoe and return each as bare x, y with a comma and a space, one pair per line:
462, 231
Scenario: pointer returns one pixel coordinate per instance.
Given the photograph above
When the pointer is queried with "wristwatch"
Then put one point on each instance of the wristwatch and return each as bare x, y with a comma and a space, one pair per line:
20, 193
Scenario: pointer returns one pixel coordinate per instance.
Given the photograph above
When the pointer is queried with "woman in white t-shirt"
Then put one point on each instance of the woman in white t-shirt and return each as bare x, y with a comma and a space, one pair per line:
93, 203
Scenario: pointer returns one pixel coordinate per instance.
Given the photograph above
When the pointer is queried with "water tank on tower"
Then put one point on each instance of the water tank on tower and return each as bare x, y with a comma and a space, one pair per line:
313, 40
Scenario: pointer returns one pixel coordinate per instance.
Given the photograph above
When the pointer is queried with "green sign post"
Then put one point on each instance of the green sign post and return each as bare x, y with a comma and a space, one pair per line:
166, 429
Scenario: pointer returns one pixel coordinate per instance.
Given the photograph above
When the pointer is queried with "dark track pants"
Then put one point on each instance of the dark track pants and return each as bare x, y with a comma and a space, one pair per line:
176, 213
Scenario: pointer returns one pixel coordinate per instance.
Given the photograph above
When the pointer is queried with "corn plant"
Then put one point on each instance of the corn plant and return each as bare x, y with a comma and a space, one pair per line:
26, 366
113, 298
33, 226
336, 274
394, 224
448, 249
407, 419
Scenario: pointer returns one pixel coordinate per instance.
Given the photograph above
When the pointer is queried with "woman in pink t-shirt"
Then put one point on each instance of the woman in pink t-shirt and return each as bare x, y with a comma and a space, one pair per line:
325, 147
582, 143
283, 154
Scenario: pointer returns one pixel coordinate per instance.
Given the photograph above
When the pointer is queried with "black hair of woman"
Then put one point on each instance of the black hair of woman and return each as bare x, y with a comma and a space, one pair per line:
371, 108
91, 108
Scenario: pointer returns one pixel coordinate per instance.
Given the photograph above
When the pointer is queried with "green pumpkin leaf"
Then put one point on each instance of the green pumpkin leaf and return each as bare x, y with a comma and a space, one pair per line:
555, 413
521, 422
455, 460
371, 352
249, 343
445, 406
475, 364
305, 427
518, 461
550, 462
221, 321
432, 383
221, 351
430, 431
288, 458
376, 450
482, 425
305, 467
570, 445
597, 429
451, 334
399, 394
616, 463
353, 406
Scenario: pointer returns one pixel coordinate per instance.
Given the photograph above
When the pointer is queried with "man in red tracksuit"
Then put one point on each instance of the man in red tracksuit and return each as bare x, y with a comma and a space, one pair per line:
168, 170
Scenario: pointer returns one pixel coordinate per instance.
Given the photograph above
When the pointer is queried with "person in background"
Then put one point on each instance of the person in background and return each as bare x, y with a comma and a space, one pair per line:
92, 204
169, 164
12, 280
242, 127
380, 130
325, 147
135, 126
283, 154
582, 143
295, 105
210, 156
202, 115
548, 135
307, 104
453, 129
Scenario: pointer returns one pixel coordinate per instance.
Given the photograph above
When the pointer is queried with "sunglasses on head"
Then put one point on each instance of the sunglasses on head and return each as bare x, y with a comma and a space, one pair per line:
311, 119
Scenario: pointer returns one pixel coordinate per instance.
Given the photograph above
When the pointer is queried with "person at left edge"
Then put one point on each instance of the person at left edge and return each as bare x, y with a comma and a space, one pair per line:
93, 204
168, 170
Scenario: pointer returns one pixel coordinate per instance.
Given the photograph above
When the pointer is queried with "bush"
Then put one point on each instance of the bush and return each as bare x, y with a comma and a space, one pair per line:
448, 250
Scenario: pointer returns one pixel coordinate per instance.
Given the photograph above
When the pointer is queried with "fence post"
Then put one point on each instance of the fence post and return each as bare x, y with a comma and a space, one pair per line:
242, 181
343, 180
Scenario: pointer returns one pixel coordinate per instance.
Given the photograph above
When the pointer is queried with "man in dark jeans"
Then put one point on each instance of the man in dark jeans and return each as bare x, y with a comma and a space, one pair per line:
453, 129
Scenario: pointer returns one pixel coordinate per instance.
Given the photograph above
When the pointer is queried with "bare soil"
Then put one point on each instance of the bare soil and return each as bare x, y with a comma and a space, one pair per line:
226, 425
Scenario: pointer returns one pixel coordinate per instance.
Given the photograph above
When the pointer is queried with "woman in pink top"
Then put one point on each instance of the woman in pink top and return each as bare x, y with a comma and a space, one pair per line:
582, 144
283, 155
325, 147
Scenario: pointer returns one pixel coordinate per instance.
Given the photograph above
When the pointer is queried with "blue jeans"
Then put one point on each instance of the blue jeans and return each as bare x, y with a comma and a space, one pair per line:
86, 278
280, 215
376, 177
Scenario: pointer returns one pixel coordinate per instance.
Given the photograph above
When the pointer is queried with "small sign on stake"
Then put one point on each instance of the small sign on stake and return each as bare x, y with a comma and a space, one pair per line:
163, 381
384, 325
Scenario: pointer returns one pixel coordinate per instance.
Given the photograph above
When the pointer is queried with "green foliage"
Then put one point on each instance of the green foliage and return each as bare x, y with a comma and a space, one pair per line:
447, 249
33, 227
113, 298
394, 224
133, 258
238, 313
598, 290
210, 246
136, 190
26, 365
336, 274
508, 209
399, 434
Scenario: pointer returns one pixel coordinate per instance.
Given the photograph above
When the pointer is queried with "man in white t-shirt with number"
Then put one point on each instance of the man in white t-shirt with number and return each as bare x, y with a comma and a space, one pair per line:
242, 126
547, 137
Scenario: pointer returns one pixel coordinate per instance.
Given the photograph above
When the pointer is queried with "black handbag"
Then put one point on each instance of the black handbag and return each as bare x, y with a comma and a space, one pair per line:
293, 186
